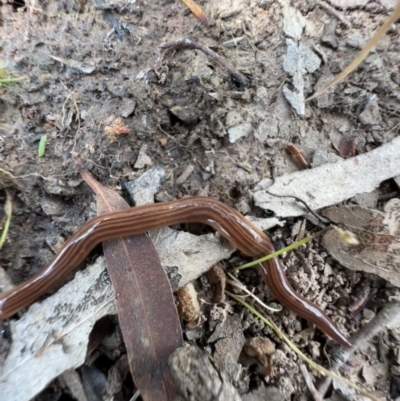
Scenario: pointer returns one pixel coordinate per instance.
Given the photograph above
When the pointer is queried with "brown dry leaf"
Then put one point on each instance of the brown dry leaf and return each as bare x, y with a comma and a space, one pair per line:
117, 128
146, 310
363, 53
378, 234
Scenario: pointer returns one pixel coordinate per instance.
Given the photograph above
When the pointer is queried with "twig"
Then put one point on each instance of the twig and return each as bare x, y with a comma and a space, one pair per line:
334, 12
297, 199
387, 315
309, 382
190, 44
363, 53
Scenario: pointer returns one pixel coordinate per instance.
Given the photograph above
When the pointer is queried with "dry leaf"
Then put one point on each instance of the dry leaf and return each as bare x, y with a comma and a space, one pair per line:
146, 310
330, 183
378, 233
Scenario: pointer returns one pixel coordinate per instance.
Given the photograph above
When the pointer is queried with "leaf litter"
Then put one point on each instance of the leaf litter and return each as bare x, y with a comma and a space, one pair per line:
379, 237
146, 308
261, 106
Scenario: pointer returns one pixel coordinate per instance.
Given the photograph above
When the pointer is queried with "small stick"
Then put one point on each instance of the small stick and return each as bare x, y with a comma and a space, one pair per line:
307, 378
190, 44
197, 11
297, 199
388, 314
362, 54
185, 175
334, 12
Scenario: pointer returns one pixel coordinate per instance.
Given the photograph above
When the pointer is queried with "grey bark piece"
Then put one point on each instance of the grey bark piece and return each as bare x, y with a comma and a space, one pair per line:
52, 337
330, 183
369, 200
197, 377
348, 3
143, 189
293, 21
229, 341
299, 60
188, 256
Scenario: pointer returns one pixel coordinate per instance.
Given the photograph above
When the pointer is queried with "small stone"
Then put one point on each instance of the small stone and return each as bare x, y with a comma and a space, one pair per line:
239, 131
143, 189
260, 348
329, 37
185, 114
143, 159
128, 107
368, 200
368, 314
371, 114
52, 206
320, 157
